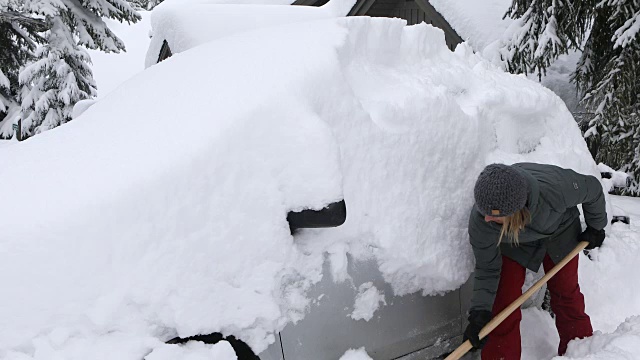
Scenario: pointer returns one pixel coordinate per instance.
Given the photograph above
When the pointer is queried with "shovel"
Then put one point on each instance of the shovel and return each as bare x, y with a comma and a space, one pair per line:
466, 346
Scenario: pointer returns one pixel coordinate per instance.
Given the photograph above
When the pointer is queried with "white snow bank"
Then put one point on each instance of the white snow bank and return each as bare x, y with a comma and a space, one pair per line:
623, 343
367, 302
355, 354
194, 350
164, 210
186, 24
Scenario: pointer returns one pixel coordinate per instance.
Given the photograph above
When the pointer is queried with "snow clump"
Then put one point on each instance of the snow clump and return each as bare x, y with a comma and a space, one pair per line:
355, 354
367, 302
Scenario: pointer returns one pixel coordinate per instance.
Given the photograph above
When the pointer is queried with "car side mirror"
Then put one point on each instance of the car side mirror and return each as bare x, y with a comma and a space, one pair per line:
332, 215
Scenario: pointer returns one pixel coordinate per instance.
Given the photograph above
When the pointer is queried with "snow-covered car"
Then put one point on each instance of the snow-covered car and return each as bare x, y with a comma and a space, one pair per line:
165, 208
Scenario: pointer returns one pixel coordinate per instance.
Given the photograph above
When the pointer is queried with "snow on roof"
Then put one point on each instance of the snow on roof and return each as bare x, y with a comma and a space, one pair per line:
477, 22
161, 210
186, 24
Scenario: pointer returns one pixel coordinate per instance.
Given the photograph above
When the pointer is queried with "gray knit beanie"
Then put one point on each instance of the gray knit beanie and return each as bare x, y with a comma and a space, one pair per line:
500, 190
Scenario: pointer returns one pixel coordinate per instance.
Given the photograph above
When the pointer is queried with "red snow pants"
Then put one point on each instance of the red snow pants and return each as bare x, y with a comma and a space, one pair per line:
567, 302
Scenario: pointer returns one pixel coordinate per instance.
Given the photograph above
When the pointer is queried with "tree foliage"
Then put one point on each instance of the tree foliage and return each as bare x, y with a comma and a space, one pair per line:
47, 63
19, 36
606, 32
144, 4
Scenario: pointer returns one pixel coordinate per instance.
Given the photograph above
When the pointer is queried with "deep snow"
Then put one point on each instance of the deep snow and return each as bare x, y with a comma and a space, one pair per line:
483, 26
185, 24
169, 195
623, 343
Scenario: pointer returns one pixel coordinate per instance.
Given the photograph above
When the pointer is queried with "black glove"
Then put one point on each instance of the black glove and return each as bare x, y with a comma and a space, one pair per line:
594, 237
477, 320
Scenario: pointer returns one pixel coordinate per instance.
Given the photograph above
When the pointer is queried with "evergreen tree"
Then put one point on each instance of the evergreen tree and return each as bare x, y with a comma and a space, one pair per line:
154, 3
18, 39
139, 4
607, 33
144, 4
60, 76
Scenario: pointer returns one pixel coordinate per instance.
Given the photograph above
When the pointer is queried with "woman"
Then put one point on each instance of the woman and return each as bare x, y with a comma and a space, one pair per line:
526, 215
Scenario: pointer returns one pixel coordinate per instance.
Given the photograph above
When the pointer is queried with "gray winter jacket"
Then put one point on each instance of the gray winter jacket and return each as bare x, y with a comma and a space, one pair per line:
554, 194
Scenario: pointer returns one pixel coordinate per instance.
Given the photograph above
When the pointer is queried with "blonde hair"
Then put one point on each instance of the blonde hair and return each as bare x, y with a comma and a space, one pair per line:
513, 224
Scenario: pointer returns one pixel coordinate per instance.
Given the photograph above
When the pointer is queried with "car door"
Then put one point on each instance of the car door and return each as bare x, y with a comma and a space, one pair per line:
404, 325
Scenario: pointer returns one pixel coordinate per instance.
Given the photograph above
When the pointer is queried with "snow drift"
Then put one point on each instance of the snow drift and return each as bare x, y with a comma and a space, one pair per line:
161, 210
623, 343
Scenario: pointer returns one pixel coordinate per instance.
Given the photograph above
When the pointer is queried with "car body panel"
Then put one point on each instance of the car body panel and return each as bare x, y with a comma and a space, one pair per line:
404, 325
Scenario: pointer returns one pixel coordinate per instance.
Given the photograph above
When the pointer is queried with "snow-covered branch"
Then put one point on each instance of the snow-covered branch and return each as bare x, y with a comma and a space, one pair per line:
23, 19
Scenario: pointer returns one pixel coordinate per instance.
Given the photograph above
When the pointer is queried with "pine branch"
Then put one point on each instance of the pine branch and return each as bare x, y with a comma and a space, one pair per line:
24, 20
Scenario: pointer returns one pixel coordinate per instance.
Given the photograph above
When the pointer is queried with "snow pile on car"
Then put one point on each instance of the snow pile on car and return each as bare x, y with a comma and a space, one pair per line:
478, 23
184, 24
161, 211
430, 121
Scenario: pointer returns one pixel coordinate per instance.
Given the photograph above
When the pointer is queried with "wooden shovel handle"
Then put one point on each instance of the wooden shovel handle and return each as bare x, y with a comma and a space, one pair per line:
466, 346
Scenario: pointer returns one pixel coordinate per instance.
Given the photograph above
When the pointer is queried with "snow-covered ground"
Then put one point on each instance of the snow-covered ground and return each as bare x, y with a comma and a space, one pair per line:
169, 195
611, 288
4, 143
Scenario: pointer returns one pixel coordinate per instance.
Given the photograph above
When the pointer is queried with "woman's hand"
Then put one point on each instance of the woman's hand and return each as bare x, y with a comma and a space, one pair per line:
594, 237
477, 320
